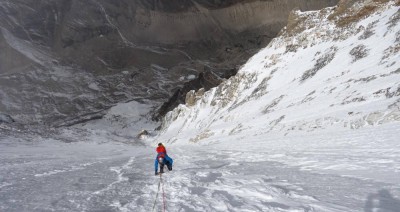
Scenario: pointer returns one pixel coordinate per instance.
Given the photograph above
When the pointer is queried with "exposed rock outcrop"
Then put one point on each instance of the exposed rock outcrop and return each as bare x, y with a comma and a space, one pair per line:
205, 81
4, 118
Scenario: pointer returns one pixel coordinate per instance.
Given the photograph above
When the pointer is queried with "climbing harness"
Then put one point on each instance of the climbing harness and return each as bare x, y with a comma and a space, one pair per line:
160, 184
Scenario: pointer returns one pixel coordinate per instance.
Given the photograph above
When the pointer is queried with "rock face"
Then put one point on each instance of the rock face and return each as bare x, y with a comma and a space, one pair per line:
123, 50
307, 80
205, 81
4, 118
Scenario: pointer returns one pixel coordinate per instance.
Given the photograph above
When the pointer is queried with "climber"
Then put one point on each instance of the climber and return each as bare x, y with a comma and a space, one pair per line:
161, 148
162, 159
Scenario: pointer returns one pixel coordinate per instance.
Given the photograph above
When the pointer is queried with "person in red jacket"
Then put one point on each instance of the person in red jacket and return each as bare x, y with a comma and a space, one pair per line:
162, 159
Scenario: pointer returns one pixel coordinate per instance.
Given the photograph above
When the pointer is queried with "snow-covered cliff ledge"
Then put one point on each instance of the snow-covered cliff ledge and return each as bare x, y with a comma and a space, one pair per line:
334, 68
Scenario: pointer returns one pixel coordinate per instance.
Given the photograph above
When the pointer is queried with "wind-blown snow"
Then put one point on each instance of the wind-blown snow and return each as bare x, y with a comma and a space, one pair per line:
347, 171
310, 123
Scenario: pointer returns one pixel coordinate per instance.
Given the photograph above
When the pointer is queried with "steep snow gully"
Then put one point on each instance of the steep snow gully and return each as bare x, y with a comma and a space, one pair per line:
310, 123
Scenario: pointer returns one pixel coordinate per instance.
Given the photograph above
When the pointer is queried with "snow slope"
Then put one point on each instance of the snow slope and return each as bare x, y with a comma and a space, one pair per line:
47, 175
310, 123
322, 77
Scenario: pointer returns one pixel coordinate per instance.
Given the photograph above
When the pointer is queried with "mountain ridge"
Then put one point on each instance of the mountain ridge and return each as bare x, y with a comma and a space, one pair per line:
322, 76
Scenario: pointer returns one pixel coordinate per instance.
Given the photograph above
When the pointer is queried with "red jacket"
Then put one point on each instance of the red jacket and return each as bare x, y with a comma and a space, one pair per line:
161, 149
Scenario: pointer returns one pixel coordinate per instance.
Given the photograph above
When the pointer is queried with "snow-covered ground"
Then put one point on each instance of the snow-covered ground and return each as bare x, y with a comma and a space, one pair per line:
353, 170
311, 123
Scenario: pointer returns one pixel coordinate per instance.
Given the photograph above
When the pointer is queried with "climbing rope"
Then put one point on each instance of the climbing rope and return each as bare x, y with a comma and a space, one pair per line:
164, 202
158, 191
160, 184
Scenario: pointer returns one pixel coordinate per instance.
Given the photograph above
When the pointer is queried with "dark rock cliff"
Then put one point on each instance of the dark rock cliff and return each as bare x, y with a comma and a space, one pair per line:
124, 50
